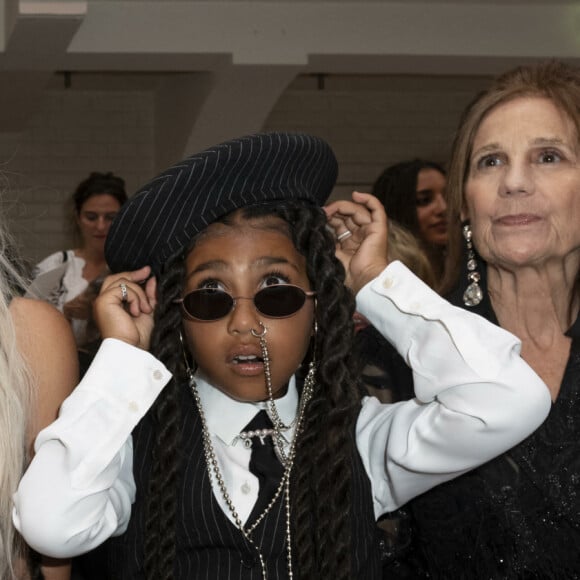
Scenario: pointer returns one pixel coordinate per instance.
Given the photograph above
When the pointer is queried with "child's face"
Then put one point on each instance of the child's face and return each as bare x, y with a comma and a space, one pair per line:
242, 259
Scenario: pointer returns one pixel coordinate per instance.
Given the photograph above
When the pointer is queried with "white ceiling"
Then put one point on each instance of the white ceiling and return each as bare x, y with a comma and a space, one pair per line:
346, 36
119, 43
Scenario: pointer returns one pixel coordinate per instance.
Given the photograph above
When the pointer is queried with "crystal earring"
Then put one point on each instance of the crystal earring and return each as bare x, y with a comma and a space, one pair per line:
310, 379
473, 294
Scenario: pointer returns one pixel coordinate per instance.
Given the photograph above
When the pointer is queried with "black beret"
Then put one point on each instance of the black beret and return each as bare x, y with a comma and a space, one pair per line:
166, 213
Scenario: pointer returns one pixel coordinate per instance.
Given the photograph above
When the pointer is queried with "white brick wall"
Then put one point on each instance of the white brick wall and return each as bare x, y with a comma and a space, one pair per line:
370, 121
374, 121
71, 134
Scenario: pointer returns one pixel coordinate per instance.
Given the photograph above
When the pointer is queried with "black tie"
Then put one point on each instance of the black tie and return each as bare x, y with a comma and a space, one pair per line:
264, 463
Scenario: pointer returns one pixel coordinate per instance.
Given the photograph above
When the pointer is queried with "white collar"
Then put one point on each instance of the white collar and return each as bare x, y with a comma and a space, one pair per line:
227, 417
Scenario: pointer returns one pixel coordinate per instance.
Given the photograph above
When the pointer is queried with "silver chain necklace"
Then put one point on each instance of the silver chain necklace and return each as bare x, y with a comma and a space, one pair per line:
287, 459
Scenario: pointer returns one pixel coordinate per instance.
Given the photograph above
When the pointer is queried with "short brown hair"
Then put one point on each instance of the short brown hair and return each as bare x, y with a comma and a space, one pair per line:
553, 80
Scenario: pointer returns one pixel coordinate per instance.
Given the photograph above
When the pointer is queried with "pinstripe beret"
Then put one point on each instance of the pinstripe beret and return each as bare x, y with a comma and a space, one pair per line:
166, 213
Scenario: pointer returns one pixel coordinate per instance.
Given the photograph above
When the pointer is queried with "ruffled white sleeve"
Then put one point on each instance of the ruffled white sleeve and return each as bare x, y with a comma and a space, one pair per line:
79, 487
475, 395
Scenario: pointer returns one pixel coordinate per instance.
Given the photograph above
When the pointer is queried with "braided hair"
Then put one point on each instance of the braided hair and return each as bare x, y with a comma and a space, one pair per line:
321, 530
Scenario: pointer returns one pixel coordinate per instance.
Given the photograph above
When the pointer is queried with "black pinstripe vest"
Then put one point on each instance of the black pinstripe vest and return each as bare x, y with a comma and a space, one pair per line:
209, 546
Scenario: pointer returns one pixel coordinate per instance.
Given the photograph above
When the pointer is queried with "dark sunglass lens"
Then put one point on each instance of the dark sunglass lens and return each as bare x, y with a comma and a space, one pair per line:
279, 301
208, 304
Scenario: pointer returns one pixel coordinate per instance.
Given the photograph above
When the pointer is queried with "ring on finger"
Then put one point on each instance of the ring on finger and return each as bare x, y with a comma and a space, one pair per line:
124, 294
344, 235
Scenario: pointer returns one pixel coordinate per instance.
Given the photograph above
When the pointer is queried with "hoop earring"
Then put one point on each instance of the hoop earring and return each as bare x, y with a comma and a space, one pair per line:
473, 294
262, 334
188, 370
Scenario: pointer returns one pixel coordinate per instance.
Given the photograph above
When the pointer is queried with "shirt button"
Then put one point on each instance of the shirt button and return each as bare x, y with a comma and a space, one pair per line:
157, 375
388, 283
133, 406
246, 488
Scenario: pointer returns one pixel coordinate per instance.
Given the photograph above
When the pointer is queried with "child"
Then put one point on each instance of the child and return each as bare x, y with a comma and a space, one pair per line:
251, 314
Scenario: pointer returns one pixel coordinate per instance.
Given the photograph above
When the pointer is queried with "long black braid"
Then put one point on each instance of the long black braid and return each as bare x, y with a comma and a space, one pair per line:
321, 529
162, 492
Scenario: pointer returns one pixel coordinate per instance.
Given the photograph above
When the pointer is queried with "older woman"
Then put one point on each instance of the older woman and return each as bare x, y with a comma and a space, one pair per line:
515, 180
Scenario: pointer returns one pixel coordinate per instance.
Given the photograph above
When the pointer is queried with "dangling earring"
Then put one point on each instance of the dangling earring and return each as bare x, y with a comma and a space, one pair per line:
473, 294
188, 370
310, 379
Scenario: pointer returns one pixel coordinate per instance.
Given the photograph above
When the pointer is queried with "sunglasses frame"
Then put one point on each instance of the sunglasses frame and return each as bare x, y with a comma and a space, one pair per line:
181, 302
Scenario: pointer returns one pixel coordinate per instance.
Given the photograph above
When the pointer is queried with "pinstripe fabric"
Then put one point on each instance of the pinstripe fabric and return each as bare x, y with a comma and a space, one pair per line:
366, 561
209, 546
164, 215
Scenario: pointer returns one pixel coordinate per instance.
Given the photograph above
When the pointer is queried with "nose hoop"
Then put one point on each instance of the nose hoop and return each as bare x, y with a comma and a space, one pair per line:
262, 334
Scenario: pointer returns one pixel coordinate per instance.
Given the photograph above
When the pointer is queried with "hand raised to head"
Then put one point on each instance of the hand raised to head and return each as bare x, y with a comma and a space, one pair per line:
360, 228
124, 308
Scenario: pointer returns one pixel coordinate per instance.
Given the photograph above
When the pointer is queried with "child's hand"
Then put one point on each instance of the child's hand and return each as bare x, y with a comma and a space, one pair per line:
127, 314
363, 252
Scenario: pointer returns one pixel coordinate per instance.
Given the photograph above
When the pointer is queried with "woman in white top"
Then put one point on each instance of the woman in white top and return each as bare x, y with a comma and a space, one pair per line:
97, 199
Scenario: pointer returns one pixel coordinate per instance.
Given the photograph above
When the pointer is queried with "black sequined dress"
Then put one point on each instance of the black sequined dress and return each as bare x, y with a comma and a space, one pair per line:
516, 517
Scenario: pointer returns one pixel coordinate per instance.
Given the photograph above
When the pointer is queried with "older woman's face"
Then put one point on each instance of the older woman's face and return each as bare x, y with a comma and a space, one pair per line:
523, 189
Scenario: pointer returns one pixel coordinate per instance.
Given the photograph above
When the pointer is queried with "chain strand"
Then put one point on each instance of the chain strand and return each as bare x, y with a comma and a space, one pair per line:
287, 459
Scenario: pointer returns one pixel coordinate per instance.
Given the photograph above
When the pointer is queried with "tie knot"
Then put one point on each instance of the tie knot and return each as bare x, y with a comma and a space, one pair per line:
259, 427
260, 421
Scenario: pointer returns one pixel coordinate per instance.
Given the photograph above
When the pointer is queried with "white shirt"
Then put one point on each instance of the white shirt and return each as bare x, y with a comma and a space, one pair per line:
71, 285
73, 282
226, 418
475, 398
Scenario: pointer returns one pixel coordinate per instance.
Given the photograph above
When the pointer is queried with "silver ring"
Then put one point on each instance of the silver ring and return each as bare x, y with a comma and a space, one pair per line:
254, 333
124, 294
344, 235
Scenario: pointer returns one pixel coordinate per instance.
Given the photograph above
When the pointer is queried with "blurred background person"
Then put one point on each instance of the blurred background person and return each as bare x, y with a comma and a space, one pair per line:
80, 309
384, 373
63, 277
413, 194
404, 246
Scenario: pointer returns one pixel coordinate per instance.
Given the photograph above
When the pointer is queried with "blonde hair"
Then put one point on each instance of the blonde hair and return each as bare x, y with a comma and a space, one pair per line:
16, 402
553, 80
404, 246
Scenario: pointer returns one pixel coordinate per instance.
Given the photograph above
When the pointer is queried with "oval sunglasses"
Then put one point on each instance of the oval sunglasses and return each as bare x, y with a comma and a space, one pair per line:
276, 301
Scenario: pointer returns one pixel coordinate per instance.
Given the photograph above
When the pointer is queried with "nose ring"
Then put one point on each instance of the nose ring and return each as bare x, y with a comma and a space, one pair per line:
259, 335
